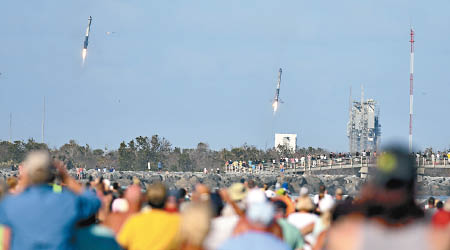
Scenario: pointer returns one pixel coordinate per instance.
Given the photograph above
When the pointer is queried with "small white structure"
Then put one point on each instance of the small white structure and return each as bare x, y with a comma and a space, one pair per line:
289, 140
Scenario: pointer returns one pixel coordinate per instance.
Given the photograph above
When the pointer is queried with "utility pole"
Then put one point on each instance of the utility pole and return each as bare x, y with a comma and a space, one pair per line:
350, 129
363, 138
10, 127
411, 85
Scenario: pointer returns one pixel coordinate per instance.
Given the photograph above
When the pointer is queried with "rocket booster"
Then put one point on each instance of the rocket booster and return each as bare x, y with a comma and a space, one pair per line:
277, 92
86, 38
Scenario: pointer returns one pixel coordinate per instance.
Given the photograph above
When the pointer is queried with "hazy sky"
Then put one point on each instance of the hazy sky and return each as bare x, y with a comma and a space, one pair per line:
206, 70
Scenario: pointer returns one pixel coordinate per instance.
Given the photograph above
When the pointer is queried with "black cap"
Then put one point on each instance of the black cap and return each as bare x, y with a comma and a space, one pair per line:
395, 169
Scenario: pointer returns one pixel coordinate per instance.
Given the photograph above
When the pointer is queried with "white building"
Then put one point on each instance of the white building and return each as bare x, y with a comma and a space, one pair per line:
289, 140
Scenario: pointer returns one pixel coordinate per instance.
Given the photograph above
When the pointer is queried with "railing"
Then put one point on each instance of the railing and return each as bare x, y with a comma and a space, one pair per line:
336, 163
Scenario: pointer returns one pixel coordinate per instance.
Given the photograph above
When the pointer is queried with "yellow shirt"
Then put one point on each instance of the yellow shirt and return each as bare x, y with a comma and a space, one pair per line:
154, 229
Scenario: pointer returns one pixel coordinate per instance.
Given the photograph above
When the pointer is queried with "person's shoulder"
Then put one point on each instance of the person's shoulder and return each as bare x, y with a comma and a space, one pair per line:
159, 214
345, 233
8, 199
271, 241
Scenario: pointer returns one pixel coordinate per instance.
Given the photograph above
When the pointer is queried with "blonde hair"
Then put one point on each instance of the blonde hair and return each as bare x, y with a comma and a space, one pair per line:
304, 203
195, 223
37, 166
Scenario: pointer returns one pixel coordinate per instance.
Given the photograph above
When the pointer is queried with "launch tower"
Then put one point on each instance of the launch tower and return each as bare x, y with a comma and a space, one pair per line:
363, 128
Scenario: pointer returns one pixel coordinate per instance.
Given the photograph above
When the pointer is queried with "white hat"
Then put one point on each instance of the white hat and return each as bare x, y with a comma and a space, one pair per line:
120, 205
304, 191
326, 204
270, 194
256, 196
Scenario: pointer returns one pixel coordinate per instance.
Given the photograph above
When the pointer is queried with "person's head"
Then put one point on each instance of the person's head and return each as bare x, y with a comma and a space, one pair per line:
439, 205
265, 186
280, 209
322, 189
326, 207
156, 195
37, 168
259, 213
120, 205
195, 224
216, 204
172, 202
251, 184
237, 192
116, 186
304, 204
431, 202
339, 194
390, 194
181, 195
201, 193
304, 191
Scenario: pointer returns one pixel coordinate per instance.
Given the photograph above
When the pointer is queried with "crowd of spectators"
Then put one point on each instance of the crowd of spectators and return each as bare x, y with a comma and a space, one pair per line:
46, 208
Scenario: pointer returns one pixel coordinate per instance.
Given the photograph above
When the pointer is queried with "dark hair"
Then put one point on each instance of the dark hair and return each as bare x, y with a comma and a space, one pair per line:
181, 193
251, 184
280, 206
87, 222
322, 189
216, 204
439, 205
431, 201
391, 206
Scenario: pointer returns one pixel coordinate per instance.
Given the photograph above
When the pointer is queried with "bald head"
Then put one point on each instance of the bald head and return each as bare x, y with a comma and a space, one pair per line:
37, 167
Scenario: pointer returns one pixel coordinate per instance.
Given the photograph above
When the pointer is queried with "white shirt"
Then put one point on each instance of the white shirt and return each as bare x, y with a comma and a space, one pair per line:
221, 230
301, 220
316, 198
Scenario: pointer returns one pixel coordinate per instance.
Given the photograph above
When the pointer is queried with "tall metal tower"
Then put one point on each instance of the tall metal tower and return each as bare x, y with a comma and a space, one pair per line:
363, 128
411, 85
350, 127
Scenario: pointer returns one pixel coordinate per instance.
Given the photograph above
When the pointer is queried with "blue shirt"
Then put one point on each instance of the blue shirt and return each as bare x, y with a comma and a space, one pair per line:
42, 219
96, 238
254, 240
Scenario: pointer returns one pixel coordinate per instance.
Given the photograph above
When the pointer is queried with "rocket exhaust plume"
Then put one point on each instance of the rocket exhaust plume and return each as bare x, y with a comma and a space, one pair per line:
276, 99
84, 54
86, 40
275, 106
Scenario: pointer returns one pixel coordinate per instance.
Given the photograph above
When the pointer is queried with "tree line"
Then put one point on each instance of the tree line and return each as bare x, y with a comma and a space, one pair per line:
141, 151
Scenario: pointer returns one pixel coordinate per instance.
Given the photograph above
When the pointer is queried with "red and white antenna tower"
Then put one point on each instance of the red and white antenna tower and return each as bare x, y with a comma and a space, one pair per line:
411, 82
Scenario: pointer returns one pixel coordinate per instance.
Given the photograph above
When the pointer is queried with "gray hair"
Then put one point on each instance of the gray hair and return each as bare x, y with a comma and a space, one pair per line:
38, 167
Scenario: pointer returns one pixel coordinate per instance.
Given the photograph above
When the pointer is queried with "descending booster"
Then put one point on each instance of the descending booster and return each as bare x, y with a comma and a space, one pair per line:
86, 39
276, 99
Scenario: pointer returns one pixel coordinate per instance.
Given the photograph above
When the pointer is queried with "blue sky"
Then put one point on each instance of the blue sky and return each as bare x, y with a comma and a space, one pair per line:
206, 70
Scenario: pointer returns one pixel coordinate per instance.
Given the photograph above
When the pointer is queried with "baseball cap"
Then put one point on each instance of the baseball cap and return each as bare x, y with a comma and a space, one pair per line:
395, 169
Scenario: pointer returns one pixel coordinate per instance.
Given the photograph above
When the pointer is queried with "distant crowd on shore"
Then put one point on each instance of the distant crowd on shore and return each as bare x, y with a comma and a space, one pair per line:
315, 160
45, 208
